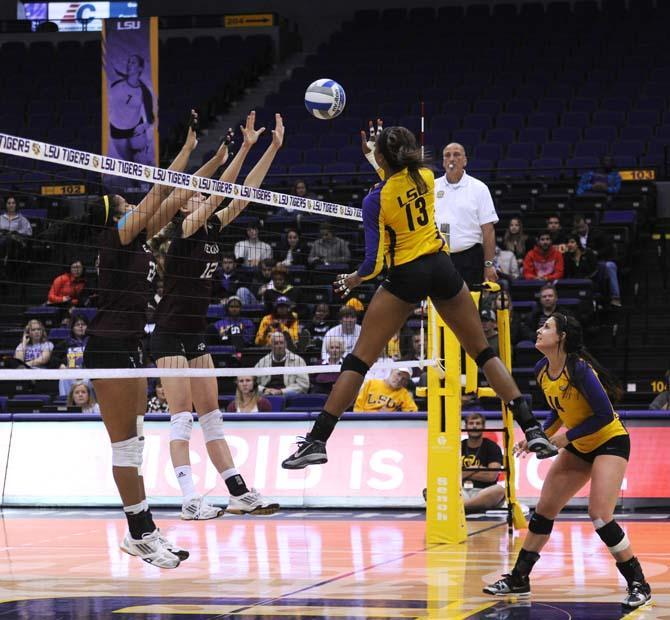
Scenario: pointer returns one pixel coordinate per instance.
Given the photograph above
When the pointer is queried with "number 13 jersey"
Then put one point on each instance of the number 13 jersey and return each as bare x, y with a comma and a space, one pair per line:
399, 223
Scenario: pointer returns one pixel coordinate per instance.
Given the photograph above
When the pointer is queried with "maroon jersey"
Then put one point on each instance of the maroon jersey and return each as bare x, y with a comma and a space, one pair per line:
125, 276
187, 283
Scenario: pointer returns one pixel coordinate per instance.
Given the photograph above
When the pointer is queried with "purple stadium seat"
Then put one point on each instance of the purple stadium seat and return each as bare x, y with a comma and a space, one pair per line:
566, 134
620, 104
615, 118
632, 148
547, 167
487, 106
289, 156
500, 136
605, 133
488, 151
510, 121
537, 135
581, 104
301, 141
520, 106
551, 105
591, 148
469, 138
481, 168
545, 120
575, 119
318, 156
522, 150
298, 169
636, 132
477, 121
559, 150
513, 167
582, 164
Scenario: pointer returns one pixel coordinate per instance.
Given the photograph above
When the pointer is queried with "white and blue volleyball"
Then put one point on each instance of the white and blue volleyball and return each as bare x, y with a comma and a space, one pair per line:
325, 99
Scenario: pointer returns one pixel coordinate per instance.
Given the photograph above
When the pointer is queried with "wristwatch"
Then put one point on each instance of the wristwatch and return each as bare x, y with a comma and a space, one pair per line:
488, 263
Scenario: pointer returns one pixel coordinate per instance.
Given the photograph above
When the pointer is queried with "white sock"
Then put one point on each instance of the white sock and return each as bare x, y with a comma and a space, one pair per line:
135, 509
228, 473
185, 480
145, 504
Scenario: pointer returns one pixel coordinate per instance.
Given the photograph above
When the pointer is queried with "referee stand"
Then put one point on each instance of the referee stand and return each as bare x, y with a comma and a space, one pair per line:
445, 514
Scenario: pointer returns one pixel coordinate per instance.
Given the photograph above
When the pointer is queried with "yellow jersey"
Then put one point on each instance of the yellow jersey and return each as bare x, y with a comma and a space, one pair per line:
376, 395
587, 412
399, 223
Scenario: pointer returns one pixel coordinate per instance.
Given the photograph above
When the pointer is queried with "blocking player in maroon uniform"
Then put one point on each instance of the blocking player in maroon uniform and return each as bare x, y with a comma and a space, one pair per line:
179, 338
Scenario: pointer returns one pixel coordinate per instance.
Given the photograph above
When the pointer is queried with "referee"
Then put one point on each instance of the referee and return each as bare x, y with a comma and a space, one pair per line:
464, 211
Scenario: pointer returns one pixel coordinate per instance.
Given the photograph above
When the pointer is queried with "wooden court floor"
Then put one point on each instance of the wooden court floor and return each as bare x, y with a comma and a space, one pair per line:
67, 564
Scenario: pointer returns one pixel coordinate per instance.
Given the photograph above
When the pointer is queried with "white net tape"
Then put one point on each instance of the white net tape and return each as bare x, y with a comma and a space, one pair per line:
43, 151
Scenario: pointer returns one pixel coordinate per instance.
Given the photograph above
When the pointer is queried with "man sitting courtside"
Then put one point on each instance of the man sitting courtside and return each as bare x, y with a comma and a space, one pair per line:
480, 489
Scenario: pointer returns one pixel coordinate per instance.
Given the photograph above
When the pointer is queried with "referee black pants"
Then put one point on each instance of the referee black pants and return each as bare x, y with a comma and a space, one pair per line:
470, 264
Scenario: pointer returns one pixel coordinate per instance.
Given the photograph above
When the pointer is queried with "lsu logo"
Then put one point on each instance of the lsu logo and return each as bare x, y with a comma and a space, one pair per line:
36, 148
129, 25
96, 162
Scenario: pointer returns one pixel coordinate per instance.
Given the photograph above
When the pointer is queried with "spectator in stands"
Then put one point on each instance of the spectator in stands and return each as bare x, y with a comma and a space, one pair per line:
465, 212
34, 349
579, 262
280, 320
348, 329
300, 189
227, 279
69, 353
292, 251
14, 229
251, 251
329, 249
490, 325
81, 395
234, 329
158, 402
543, 310
506, 265
601, 244
544, 261
279, 286
517, 241
247, 399
68, 288
480, 489
558, 235
389, 394
282, 385
334, 350
319, 325
251, 294
607, 180
662, 400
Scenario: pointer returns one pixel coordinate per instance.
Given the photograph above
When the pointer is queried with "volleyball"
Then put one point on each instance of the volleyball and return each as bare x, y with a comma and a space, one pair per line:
325, 99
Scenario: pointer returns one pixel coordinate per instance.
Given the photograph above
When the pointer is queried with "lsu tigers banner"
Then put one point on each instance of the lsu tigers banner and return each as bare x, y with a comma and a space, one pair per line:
130, 94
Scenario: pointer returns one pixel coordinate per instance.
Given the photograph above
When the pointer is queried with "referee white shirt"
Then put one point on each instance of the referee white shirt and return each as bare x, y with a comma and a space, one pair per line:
464, 207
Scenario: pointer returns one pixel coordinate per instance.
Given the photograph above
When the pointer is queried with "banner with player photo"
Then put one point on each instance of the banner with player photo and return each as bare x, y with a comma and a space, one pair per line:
130, 94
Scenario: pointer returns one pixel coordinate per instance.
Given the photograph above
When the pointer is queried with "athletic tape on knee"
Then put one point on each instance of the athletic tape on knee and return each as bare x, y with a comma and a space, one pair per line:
355, 364
140, 426
540, 525
140, 434
181, 425
127, 453
612, 535
486, 355
212, 425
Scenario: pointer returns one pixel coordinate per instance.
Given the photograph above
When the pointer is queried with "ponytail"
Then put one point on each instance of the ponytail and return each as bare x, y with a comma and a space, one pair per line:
400, 150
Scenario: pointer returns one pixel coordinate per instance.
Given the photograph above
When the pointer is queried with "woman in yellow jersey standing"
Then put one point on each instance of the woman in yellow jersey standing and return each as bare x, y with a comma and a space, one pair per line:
400, 231
597, 448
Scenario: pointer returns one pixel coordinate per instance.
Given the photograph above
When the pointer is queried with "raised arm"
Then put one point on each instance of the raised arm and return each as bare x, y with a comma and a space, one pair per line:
200, 215
180, 196
132, 223
257, 174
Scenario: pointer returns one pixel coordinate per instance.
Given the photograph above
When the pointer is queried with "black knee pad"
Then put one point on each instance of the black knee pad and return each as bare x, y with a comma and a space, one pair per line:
486, 355
613, 536
355, 364
540, 525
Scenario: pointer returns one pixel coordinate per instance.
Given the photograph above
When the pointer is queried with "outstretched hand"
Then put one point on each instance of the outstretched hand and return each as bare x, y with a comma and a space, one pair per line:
250, 134
278, 132
368, 139
192, 134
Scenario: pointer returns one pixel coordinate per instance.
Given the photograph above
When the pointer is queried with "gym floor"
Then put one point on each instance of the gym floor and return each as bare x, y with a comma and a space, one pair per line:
67, 564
